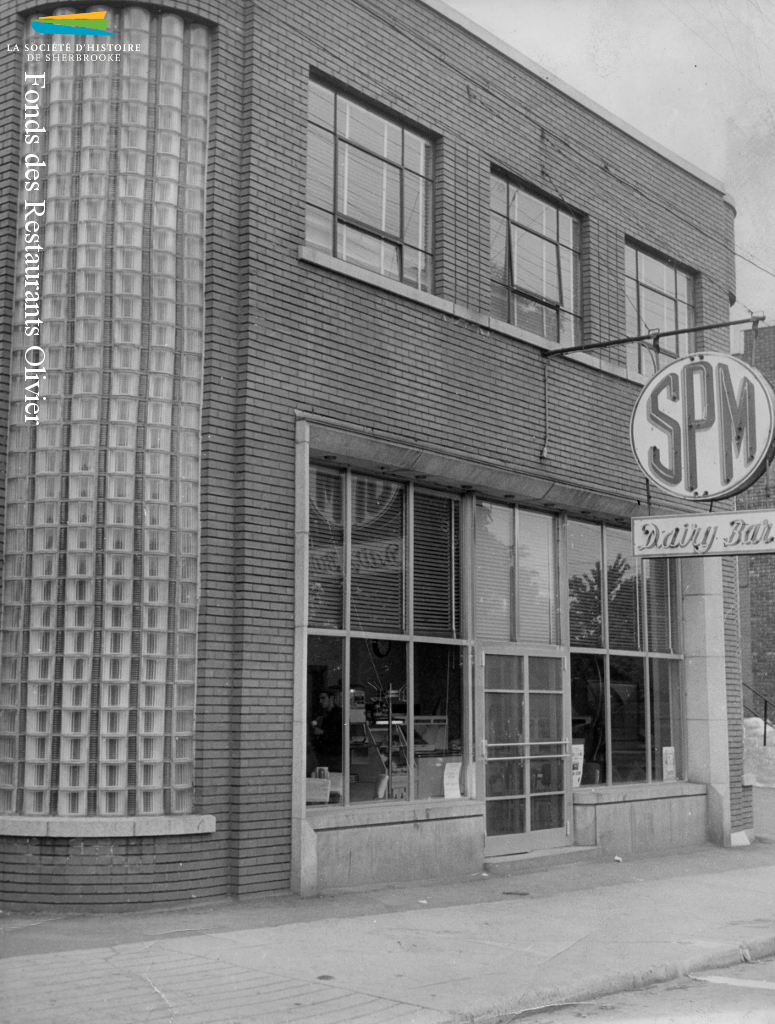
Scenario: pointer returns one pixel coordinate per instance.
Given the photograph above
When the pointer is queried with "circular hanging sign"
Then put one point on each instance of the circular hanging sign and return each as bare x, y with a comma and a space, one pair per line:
703, 428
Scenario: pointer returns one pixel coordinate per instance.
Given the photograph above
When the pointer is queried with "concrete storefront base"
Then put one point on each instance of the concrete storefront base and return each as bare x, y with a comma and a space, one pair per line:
358, 846
641, 818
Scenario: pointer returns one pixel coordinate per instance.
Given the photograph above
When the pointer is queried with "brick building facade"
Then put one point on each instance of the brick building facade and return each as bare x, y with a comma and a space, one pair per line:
400, 219
757, 603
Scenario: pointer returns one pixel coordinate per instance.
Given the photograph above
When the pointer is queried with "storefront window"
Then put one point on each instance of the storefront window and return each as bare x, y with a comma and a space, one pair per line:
516, 575
385, 703
626, 706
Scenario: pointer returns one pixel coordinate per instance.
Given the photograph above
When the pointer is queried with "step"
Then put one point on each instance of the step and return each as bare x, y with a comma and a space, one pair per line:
541, 860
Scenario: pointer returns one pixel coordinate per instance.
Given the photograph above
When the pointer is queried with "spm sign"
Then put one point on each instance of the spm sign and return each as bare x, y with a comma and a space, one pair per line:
704, 427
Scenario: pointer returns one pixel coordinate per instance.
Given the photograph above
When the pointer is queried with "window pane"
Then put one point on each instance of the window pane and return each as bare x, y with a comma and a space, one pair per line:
498, 195
367, 251
630, 261
570, 279
418, 154
378, 721
321, 105
570, 330
657, 311
535, 318
503, 672
587, 687
418, 269
666, 716
623, 598
324, 707
656, 274
418, 228
569, 231
533, 213
504, 817
436, 566
633, 326
661, 604
506, 778
547, 811
537, 579
326, 548
494, 570
535, 265
545, 673
628, 720
498, 257
584, 557
320, 168
499, 302
369, 191
505, 721
438, 715
320, 229
545, 717
368, 130
377, 587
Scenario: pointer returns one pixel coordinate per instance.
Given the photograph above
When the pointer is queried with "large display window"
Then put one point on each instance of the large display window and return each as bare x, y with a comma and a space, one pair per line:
393, 617
386, 715
625, 659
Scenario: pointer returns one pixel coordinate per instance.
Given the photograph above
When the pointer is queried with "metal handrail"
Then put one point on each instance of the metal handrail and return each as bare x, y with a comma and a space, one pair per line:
753, 711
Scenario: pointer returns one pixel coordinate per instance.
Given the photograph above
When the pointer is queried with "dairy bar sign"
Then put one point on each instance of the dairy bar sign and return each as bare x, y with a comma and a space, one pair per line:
718, 533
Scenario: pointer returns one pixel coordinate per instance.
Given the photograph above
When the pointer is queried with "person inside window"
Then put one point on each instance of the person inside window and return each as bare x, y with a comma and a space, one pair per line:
327, 732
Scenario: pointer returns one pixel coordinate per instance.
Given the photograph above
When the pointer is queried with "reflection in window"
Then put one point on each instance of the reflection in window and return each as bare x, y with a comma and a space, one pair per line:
534, 264
516, 593
385, 713
658, 296
610, 692
369, 189
588, 714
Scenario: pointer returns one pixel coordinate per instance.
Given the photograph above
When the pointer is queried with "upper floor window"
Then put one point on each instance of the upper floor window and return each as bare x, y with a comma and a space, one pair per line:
534, 264
658, 296
369, 189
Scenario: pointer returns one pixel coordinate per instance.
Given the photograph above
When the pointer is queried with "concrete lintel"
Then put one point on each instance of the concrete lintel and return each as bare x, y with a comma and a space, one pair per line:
371, 453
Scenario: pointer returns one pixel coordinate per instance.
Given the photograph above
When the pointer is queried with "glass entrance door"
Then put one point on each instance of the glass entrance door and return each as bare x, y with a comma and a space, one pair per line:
527, 755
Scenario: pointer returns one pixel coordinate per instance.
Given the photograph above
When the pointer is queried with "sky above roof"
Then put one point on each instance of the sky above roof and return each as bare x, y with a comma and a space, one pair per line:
696, 76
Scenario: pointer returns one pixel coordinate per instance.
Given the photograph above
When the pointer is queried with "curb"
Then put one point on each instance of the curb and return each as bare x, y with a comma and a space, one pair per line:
536, 1000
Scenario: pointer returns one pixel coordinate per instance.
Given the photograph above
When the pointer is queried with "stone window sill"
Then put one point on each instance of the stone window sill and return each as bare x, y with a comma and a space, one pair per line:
108, 828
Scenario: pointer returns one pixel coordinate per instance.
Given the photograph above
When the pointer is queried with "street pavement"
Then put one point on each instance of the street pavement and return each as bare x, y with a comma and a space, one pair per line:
471, 950
744, 994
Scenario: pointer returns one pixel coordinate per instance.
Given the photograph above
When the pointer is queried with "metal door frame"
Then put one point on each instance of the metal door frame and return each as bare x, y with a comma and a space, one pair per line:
543, 838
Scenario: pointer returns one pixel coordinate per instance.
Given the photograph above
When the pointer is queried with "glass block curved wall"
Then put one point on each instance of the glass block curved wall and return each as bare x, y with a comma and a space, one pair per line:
100, 580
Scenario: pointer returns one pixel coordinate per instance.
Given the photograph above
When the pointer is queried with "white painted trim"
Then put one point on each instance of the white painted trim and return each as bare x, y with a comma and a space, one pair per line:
578, 97
108, 828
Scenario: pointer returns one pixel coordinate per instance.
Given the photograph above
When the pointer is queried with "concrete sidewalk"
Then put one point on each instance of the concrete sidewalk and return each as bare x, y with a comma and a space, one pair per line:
416, 954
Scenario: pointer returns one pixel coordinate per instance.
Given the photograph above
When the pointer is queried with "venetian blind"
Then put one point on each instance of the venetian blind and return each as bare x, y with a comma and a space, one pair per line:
537, 579
436, 566
494, 571
377, 577
326, 548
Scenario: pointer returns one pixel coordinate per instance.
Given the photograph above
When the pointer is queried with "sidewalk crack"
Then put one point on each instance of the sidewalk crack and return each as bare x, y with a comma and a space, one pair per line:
159, 992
